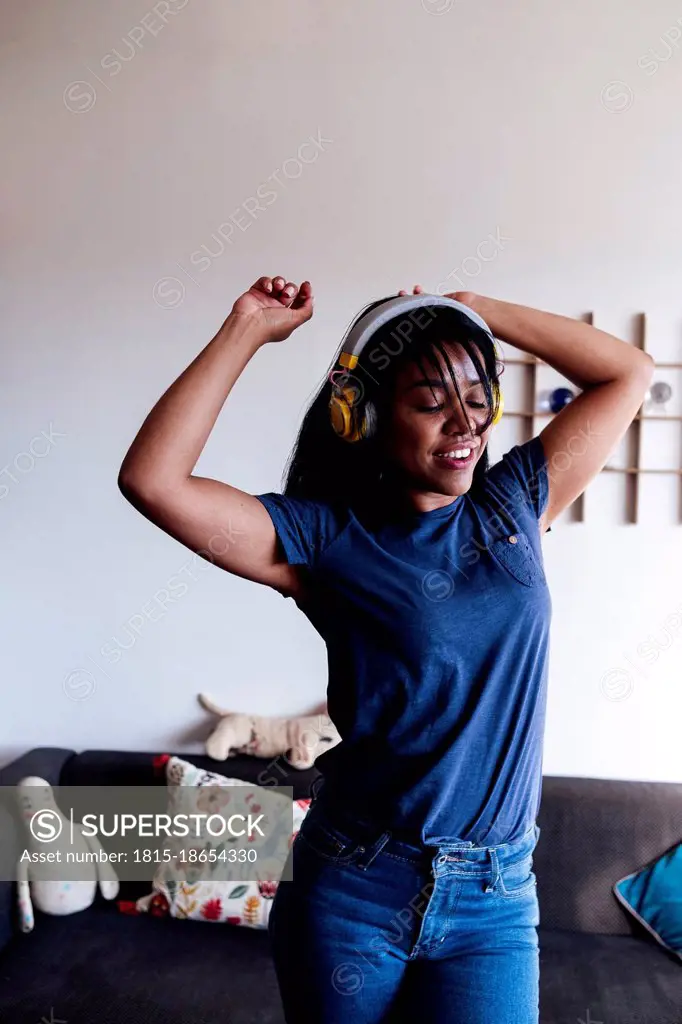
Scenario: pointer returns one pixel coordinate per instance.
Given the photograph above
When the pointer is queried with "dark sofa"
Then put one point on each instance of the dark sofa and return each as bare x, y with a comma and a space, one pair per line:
104, 967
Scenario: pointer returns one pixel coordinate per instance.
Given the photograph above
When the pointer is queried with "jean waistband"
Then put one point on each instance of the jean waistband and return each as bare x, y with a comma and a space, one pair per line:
413, 849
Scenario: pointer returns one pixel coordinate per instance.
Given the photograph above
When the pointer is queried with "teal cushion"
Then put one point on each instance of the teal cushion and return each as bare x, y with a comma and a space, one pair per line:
653, 895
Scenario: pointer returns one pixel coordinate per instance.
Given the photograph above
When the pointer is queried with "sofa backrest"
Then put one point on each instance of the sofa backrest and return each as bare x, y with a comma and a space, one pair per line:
592, 833
126, 768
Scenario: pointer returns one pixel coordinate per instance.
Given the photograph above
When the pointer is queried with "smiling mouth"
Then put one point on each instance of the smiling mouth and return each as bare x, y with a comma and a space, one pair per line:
458, 458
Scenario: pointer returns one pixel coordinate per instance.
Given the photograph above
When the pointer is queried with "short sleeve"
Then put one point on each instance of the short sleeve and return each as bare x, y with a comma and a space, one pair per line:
521, 476
305, 528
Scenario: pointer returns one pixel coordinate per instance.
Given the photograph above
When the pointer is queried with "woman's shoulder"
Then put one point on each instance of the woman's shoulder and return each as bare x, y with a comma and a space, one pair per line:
519, 480
306, 525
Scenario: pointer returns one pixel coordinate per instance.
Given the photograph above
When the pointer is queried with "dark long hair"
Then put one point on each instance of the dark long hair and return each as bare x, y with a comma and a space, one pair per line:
322, 466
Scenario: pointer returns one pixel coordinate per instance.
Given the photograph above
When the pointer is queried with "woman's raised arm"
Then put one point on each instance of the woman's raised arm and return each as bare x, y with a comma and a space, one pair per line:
612, 375
220, 522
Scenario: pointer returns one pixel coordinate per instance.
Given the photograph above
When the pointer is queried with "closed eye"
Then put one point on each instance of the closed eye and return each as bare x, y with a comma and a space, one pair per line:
439, 408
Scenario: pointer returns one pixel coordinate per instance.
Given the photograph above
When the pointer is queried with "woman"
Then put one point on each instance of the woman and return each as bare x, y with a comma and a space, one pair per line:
421, 567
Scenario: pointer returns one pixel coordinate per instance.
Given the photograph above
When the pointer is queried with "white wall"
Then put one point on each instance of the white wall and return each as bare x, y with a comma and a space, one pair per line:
552, 125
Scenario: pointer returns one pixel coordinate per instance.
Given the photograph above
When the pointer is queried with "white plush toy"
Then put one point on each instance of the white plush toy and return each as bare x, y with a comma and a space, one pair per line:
45, 892
300, 740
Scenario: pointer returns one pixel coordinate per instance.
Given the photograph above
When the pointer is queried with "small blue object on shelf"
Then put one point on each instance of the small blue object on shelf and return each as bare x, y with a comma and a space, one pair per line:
653, 895
560, 398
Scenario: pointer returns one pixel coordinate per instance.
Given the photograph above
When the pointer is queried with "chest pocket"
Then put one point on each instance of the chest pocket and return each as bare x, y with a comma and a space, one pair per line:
515, 554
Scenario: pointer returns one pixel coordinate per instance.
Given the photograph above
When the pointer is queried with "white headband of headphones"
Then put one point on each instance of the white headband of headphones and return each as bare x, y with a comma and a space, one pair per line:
359, 335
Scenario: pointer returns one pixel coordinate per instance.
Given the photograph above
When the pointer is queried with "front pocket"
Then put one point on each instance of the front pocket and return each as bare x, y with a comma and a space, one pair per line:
328, 842
515, 554
517, 878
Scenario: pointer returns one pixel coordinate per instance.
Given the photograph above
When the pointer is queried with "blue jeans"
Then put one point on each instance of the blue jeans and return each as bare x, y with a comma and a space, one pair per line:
372, 928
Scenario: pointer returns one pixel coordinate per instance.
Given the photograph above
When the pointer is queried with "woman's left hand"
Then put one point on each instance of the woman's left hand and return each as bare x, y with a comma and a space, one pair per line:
467, 298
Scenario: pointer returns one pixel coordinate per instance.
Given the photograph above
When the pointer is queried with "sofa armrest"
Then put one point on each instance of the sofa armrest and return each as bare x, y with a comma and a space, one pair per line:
47, 763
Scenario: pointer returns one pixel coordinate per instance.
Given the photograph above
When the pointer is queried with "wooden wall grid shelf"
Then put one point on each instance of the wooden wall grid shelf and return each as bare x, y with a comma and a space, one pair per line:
633, 472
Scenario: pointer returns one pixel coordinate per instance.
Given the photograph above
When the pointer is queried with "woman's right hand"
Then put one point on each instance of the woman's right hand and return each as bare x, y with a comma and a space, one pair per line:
275, 306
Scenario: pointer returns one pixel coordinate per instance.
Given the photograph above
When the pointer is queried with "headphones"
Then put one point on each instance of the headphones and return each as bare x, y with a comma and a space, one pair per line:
354, 419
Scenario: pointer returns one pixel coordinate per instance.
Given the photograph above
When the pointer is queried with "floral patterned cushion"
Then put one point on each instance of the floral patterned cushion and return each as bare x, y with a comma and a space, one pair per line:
182, 886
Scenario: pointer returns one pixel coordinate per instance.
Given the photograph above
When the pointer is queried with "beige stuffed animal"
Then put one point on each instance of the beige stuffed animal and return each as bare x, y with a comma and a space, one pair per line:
301, 740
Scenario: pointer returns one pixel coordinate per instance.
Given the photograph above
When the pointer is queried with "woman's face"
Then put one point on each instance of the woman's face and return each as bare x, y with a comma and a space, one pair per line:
430, 432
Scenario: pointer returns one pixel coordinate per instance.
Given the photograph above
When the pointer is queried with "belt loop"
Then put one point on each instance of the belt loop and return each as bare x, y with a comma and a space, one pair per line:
495, 869
368, 854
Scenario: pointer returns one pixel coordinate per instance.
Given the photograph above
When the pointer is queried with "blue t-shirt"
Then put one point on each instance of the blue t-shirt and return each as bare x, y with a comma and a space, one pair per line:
437, 633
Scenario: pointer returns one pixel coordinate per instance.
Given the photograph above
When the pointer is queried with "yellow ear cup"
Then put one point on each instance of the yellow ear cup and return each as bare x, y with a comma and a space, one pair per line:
497, 391
341, 414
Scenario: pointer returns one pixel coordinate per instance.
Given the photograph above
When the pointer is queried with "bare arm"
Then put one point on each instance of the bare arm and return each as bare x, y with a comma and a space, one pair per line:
612, 375
220, 522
